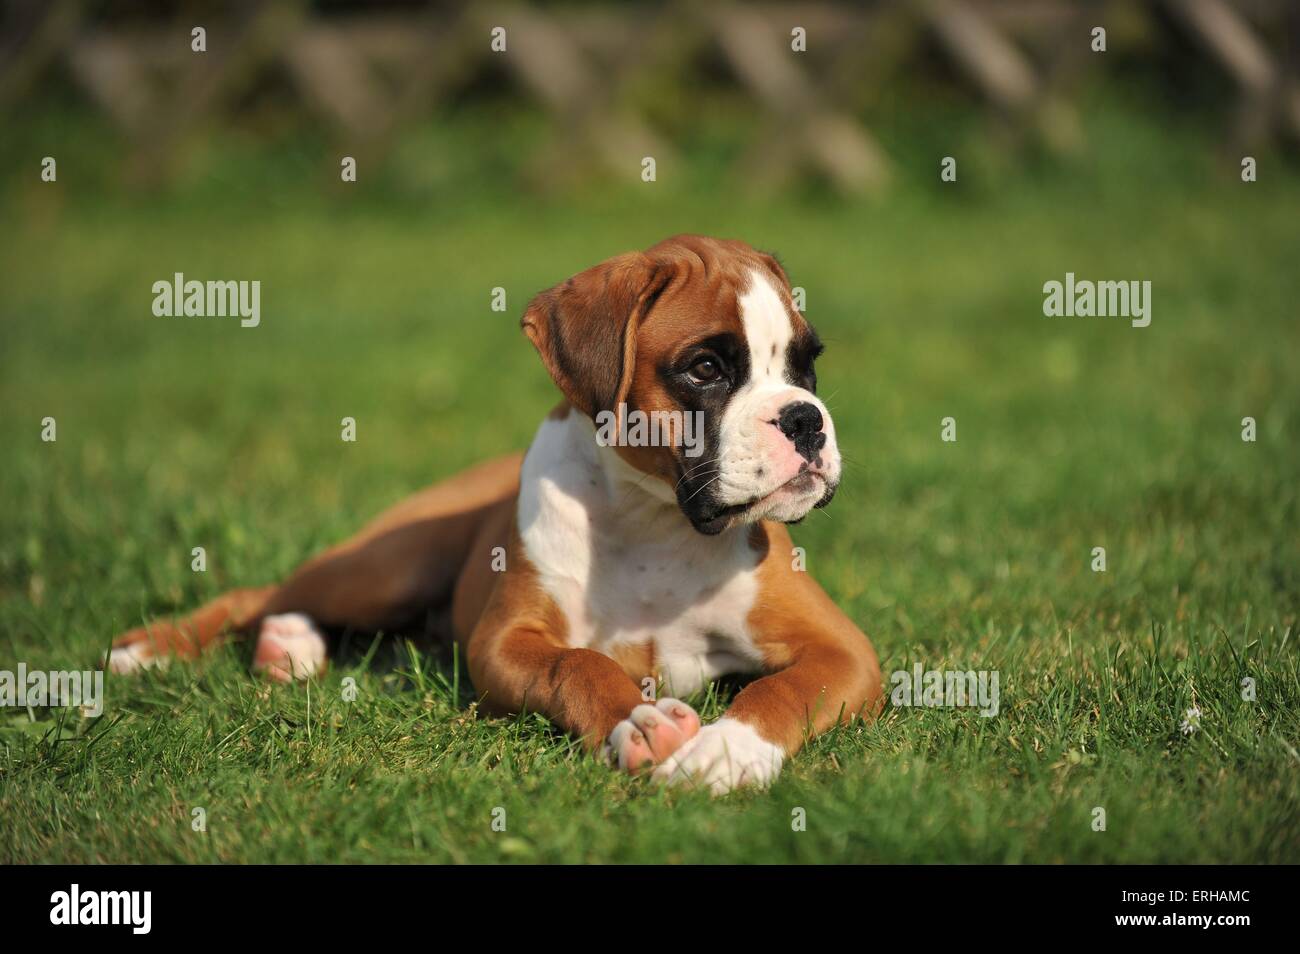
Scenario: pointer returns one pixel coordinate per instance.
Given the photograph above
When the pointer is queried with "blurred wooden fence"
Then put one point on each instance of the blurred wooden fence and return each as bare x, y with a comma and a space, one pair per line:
369, 71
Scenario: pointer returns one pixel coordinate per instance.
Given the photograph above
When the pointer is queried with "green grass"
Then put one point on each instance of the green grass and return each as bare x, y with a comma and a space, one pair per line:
1072, 433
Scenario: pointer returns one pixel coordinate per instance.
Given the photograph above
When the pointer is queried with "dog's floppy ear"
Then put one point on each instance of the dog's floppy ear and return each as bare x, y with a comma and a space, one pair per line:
585, 328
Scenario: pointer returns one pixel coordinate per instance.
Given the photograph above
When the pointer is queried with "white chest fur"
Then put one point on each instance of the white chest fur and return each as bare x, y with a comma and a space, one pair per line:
626, 568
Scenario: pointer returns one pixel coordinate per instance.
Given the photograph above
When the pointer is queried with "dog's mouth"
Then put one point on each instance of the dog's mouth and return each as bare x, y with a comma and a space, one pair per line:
801, 483
714, 520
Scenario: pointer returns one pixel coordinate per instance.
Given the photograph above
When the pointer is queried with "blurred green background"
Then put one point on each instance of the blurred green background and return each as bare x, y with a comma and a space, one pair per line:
1072, 433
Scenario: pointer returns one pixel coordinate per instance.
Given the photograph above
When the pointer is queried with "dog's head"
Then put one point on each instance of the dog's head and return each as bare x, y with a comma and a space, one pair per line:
695, 365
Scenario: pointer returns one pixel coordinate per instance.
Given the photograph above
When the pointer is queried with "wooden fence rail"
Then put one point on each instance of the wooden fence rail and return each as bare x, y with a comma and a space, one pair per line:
368, 73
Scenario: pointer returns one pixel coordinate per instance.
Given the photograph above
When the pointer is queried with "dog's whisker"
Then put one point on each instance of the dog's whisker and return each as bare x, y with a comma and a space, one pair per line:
678, 485
692, 496
698, 466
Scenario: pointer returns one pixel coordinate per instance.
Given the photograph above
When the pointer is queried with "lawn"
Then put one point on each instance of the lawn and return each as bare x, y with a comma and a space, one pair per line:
1072, 433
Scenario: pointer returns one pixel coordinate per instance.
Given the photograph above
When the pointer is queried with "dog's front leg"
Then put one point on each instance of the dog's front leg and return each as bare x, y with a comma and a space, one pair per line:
523, 667
826, 673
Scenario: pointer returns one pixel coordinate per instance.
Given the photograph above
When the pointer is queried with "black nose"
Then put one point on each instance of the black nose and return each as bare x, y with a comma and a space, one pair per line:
801, 422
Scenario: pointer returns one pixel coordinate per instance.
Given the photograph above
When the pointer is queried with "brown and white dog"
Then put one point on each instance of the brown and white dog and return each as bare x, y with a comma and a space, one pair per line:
621, 563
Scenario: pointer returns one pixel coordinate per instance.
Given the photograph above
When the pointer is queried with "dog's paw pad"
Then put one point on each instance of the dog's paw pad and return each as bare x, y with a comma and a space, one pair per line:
651, 734
289, 647
683, 716
628, 749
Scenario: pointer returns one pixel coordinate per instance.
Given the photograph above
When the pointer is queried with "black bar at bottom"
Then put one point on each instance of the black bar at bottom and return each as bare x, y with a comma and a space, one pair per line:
502, 904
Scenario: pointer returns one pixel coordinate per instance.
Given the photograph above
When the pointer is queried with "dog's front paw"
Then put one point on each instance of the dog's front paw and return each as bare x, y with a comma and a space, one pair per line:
651, 734
723, 756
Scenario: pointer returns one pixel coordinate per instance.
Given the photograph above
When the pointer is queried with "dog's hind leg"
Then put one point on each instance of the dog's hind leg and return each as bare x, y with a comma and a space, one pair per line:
288, 644
188, 637
403, 563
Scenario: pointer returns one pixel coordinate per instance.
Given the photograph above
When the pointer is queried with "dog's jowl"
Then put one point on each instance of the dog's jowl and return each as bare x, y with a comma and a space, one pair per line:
625, 559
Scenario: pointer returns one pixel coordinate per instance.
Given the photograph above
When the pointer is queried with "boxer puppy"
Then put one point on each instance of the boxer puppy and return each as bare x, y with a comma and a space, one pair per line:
623, 562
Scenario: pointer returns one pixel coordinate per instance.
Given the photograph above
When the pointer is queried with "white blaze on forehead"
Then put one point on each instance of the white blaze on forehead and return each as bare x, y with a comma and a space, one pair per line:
753, 459
767, 329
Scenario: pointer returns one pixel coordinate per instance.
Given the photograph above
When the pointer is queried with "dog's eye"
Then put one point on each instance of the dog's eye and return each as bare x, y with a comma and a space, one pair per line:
705, 369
